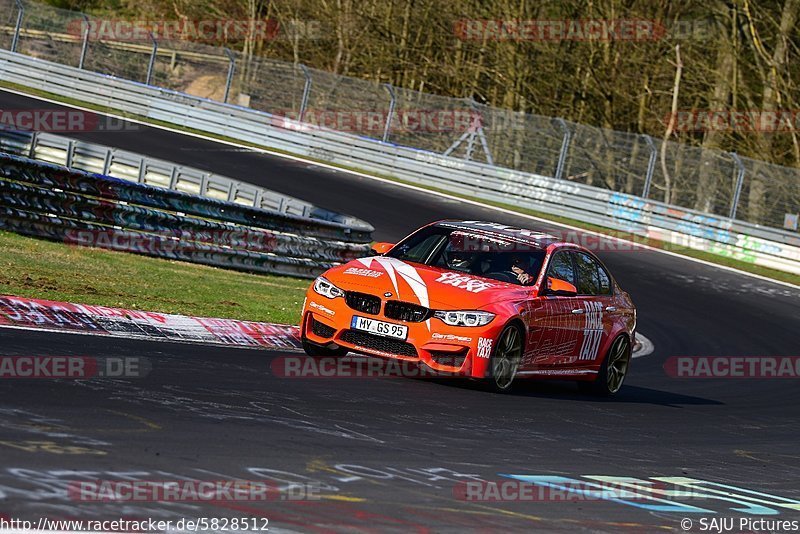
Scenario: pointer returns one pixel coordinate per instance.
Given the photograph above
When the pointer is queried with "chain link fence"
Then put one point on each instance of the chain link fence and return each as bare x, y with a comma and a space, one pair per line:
712, 181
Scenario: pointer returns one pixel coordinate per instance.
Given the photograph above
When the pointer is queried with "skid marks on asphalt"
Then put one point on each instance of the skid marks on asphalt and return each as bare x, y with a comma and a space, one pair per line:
225, 405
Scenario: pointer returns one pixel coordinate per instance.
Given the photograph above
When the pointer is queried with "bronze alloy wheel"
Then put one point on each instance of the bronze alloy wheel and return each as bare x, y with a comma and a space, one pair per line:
619, 358
506, 358
613, 371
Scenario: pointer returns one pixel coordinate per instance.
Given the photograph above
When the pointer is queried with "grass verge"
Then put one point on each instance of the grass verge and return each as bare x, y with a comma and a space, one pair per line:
685, 251
36, 268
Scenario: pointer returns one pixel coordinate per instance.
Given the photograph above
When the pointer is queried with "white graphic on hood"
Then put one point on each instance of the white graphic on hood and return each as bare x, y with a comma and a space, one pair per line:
393, 267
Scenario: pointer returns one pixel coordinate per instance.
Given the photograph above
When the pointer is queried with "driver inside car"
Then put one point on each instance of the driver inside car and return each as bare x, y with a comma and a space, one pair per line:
520, 267
515, 266
459, 260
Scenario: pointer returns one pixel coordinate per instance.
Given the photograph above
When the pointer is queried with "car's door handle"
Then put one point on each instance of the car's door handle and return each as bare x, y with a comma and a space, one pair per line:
577, 311
611, 309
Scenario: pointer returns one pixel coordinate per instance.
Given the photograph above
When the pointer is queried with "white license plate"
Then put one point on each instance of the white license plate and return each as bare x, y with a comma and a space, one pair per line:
380, 328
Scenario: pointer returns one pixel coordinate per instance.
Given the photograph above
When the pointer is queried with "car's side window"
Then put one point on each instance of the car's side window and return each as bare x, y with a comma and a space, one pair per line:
561, 267
420, 252
588, 280
605, 281
592, 277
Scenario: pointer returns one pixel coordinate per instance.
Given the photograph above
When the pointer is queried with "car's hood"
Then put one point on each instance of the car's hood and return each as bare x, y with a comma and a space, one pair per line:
420, 284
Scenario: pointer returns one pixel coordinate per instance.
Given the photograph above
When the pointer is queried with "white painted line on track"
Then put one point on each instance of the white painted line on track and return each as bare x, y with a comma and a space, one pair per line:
643, 347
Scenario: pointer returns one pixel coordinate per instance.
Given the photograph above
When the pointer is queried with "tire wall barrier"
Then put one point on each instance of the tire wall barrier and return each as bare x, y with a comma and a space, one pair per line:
83, 209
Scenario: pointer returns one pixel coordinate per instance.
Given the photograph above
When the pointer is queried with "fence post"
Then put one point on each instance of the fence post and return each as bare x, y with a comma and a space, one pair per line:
388, 127
651, 165
18, 27
107, 161
152, 64
32, 150
306, 92
562, 156
85, 45
143, 171
739, 182
70, 154
231, 67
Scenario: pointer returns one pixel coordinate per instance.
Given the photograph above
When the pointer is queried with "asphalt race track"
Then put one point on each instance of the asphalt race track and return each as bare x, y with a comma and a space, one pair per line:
391, 454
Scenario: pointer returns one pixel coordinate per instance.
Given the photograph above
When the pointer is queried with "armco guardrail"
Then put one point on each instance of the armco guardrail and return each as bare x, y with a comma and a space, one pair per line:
91, 157
764, 246
716, 182
46, 200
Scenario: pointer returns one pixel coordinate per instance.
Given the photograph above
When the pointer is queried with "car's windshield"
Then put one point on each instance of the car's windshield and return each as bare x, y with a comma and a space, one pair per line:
489, 256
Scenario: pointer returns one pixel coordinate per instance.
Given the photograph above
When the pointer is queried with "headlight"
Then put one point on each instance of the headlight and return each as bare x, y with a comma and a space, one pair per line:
465, 318
326, 289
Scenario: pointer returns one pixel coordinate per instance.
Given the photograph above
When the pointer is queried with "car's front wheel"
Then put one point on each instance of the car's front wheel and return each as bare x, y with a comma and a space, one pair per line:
613, 370
505, 359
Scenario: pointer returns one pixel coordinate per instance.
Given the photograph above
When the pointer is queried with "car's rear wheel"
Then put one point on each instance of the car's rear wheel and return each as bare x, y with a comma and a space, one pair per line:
318, 351
613, 370
505, 359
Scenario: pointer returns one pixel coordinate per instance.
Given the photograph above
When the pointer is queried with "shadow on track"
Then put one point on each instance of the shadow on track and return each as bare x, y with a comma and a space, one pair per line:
568, 391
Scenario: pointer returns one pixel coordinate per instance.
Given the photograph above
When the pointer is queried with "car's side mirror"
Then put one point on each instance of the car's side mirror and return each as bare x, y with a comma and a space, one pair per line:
379, 249
561, 288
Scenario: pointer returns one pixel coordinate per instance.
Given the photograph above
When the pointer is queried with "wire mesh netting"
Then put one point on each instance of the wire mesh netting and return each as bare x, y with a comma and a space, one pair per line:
683, 175
769, 193
617, 161
193, 68
271, 86
527, 143
8, 22
695, 178
347, 104
431, 122
123, 60
50, 33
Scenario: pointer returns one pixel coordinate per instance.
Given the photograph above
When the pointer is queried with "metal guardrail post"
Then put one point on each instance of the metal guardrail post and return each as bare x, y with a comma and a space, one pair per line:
231, 68
70, 154
152, 64
107, 161
562, 156
388, 127
142, 170
306, 92
651, 165
18, 27
34, 140
85, 45
739, 182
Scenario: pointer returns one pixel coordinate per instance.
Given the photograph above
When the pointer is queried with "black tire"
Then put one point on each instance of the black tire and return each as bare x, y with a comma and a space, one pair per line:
613, 370
318, 351
505, 359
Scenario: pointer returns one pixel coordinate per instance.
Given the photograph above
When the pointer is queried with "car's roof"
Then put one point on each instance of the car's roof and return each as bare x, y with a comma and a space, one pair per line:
513, 233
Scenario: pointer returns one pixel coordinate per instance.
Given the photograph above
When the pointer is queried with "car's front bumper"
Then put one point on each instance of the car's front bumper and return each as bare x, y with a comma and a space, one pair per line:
462, 351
